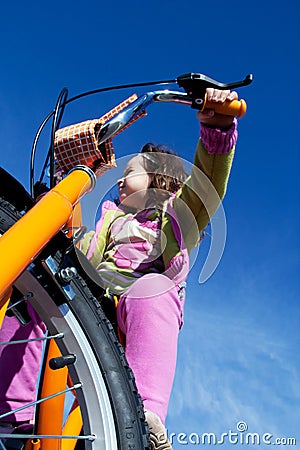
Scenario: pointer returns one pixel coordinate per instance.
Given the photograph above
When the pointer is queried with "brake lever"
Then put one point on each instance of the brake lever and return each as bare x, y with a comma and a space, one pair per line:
195, 85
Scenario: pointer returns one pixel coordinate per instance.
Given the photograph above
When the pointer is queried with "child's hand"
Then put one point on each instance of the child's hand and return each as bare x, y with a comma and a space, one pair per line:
212, 119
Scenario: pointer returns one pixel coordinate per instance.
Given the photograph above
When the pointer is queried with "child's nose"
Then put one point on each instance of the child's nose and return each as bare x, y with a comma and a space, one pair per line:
120, 181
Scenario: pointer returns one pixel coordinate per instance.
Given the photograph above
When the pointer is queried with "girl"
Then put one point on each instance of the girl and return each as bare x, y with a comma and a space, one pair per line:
140, 249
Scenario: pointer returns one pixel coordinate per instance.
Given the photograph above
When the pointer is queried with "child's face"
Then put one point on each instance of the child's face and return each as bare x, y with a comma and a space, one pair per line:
134, 184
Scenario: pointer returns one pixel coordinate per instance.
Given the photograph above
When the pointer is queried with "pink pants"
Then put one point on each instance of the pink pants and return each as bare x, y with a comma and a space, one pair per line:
150, 315
20, 366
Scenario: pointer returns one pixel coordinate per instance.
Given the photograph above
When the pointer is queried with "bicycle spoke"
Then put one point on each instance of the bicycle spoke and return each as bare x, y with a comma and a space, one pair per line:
25, 341
23, 299
37, 402
90, 437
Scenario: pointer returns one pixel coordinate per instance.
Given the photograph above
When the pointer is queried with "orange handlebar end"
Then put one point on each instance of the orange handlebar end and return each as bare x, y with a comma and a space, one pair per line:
236, 108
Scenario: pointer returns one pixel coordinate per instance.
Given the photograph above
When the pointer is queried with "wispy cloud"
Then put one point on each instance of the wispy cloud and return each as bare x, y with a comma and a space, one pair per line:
230, 371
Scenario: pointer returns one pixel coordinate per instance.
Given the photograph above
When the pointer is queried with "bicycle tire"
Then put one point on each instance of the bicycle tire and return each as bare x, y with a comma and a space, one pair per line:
111, 407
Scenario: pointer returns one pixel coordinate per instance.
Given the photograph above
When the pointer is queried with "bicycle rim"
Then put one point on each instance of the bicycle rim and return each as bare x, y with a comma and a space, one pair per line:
110, 407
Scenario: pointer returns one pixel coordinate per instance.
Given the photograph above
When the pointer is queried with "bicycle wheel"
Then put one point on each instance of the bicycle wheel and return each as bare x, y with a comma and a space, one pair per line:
111, 410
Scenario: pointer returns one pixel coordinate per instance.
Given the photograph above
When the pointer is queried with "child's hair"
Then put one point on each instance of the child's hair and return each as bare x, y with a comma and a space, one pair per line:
166, 168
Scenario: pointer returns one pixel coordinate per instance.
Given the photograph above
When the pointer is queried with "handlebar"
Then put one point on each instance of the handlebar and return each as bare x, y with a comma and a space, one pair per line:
195, 85
120, 121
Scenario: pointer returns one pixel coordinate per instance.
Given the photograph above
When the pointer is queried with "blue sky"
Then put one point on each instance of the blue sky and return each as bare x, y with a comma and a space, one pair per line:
239, 349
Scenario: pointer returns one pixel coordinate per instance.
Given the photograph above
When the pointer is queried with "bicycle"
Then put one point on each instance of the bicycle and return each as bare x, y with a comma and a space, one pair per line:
83, 357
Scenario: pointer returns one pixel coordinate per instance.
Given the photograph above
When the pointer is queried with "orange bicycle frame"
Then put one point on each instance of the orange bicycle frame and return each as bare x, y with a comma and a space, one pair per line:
27, 237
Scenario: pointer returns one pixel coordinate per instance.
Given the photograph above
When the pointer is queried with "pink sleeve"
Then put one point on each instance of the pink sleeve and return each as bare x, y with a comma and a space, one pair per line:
217, 141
